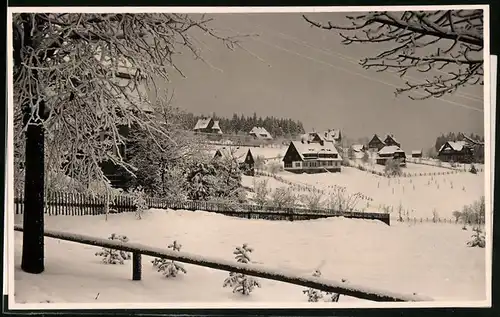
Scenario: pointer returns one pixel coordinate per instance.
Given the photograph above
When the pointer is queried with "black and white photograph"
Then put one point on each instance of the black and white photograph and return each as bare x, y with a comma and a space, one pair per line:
298, 157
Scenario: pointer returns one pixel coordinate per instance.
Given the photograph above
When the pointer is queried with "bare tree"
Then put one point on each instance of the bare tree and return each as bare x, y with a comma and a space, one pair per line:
78, 78
450, 42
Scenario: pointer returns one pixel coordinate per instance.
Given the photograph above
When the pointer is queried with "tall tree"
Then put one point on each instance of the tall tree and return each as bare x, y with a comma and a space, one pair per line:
78, 76
450, 42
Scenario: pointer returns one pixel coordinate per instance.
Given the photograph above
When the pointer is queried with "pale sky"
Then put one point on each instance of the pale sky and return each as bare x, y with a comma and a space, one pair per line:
293, 70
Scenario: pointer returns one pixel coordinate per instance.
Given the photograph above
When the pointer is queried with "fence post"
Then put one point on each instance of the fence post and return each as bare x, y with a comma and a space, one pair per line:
136, 266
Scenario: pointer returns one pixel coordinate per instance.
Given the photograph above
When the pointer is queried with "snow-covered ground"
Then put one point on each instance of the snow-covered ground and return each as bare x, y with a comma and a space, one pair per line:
420, 196
429, 259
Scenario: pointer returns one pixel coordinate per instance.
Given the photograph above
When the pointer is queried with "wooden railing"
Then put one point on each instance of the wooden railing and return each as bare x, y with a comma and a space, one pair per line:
280, 275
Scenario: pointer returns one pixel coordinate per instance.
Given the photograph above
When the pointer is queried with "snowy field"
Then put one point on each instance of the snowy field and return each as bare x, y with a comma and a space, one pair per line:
411, 169
419, 195
429, 259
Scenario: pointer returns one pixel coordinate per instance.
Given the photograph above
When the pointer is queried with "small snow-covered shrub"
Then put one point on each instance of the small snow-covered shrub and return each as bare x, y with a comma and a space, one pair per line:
259, 162
313, 201
112, 256
241, 283
169, 268
478, 239
274, 168
261, 192
393, 167
340, 200
139, 201
283, 197
474, 213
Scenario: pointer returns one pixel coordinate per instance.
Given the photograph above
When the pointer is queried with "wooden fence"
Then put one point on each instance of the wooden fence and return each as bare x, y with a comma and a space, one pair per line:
319, 283
76, 204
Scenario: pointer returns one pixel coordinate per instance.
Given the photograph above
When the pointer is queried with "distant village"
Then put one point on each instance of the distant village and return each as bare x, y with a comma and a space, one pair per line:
317, 152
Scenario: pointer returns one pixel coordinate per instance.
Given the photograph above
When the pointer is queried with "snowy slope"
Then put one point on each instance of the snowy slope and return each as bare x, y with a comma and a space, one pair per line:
430, 259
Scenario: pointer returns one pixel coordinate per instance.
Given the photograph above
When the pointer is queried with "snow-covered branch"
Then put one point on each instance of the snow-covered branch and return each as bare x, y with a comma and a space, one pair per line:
450, 42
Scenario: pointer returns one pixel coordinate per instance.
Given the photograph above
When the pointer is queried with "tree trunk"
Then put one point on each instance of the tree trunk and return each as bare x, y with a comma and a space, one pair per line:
33, 247
33, 238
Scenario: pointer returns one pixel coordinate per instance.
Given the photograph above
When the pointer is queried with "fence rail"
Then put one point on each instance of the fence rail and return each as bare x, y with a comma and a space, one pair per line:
77, 204
287, 276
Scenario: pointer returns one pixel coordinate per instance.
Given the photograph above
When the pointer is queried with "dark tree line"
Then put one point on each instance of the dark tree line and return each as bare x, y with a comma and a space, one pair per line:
241, 124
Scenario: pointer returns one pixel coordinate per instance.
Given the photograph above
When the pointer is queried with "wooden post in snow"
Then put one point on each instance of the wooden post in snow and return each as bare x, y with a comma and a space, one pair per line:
136, 266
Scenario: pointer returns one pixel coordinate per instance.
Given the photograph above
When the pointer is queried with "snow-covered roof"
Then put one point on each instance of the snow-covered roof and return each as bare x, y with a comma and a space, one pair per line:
390, 149
202, 123
357, 147
375, 136
391, 136
455, 145
311, 135
470, 140
331, 135
260, 132
233, 152
315, 148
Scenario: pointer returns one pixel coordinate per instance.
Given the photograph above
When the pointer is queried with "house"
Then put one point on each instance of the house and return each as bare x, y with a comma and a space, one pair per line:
312, 137
333, 135
391, 152
358, 150
416, 153
390, 140
242, 156
207, 125
376, 143
312, 157
456, 151
260, 133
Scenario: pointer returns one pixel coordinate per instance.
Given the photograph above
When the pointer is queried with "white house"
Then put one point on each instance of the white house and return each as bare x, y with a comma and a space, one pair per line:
312, 157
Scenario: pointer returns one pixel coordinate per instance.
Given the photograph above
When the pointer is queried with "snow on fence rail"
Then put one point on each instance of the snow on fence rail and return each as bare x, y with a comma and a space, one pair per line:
78, 204
286, 276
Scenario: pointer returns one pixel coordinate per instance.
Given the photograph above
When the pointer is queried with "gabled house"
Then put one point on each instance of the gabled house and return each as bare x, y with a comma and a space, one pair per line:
243, 157
358, 150
376, 143
390, 140
456, 151
260, 133
312, 157
207, 125
333, 135
391, 152
416, 153
312, 137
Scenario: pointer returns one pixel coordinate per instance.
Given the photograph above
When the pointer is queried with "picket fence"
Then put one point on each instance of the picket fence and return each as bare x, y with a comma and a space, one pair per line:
78, 204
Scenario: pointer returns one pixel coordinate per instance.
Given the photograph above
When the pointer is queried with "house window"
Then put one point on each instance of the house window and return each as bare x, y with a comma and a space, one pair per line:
288, 164
330, 163
297, 164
